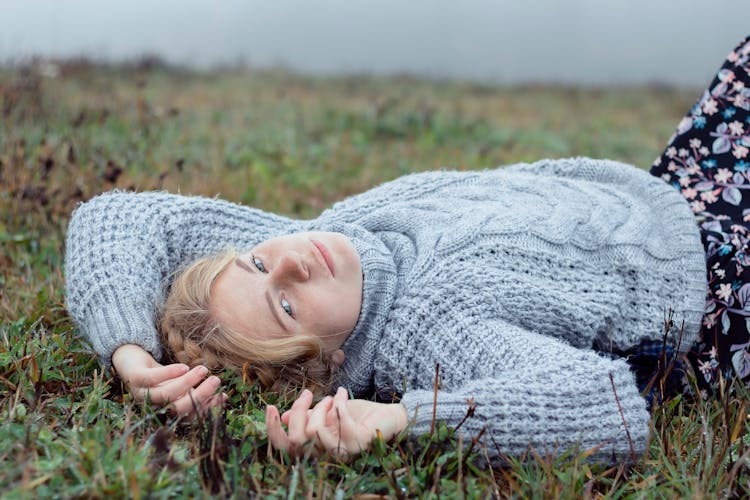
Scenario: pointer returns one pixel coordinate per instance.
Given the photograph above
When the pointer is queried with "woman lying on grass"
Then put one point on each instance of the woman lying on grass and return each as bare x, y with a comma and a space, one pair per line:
540, 290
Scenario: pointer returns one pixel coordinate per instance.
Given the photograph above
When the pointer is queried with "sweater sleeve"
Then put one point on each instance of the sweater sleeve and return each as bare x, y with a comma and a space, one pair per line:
545, 395
122, 247
602, 171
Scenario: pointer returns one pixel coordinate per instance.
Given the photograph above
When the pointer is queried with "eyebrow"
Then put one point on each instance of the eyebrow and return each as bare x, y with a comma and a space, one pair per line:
274, 311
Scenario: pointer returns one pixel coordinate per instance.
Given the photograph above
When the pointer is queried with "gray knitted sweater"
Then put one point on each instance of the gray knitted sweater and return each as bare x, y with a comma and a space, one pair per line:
504, 277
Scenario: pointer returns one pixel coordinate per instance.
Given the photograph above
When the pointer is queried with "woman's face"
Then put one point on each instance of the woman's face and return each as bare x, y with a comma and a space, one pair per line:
300, 284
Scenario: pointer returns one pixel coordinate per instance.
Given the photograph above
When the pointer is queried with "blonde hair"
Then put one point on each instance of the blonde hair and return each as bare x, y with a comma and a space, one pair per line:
194, 336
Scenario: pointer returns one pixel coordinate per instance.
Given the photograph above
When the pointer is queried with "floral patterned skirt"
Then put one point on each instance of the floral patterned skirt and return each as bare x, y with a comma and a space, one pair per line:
707, 160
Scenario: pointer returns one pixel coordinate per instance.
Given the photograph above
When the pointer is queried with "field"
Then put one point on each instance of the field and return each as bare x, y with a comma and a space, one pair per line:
292, 144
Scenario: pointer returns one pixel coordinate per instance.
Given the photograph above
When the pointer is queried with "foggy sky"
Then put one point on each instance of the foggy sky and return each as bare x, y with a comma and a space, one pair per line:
574, 41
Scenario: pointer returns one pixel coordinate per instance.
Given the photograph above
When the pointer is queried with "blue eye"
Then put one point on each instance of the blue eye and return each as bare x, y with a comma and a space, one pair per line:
286, 307
259, 264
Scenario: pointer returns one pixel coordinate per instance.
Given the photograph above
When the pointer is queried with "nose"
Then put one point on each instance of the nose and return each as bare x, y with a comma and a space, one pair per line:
291, 268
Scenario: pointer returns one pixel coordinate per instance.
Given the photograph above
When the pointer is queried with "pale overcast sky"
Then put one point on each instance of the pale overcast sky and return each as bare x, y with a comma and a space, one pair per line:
575, 41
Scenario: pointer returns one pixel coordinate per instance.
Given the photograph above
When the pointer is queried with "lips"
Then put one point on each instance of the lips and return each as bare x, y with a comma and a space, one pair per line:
325, 254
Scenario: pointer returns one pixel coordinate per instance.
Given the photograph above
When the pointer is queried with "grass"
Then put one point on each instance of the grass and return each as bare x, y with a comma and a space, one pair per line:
291, 144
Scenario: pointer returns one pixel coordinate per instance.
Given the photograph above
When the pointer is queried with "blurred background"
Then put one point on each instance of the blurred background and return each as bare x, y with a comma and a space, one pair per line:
288, 107
590, 42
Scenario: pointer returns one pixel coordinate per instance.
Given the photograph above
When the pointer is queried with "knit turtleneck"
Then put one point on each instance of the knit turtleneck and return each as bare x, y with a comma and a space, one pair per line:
379, 286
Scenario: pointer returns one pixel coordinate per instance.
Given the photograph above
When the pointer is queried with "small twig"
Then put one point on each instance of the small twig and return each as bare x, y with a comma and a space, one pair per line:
434, 398
622, 416
474, 442
500, 455
662, 363
7, 382
435, 490
469, 413
391, 477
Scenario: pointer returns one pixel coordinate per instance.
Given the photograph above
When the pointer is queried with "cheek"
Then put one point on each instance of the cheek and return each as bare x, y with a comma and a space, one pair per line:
328, 310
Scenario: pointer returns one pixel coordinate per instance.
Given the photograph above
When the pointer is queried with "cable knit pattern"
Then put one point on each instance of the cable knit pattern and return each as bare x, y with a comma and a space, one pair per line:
504, 277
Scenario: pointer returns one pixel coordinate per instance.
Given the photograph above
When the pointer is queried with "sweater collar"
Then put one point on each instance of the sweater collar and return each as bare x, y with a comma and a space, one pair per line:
378, 292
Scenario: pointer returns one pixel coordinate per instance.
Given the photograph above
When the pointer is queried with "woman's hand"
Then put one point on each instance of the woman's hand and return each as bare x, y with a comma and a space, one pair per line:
337, 425
166, 384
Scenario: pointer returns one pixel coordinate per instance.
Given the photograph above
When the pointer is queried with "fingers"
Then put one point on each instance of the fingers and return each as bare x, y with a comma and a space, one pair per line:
298, 420
324, 438
171, 390
295, 440
317, 416
276, 435
151, 377
347, 427
316, 420
331, 426
204, 396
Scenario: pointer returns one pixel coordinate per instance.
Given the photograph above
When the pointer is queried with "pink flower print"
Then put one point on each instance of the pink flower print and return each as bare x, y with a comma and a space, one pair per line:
683, 152
689, 193
736, 128
723, 175
738, 151
709, 320
705, 369
710, 107
725, 75
695, 143
703, 151
738, 85
733, 57
720, 273
685, 181
685, 124
724, 291
672, 167
693, 169
671, 152
697, 206
666, 177
710, 196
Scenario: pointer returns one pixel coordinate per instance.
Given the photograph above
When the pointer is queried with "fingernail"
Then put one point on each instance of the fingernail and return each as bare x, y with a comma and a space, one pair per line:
203, 370
306, 392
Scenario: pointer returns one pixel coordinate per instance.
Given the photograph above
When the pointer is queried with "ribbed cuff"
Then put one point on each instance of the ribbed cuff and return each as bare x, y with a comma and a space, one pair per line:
451, 408
550, 417
114, 323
